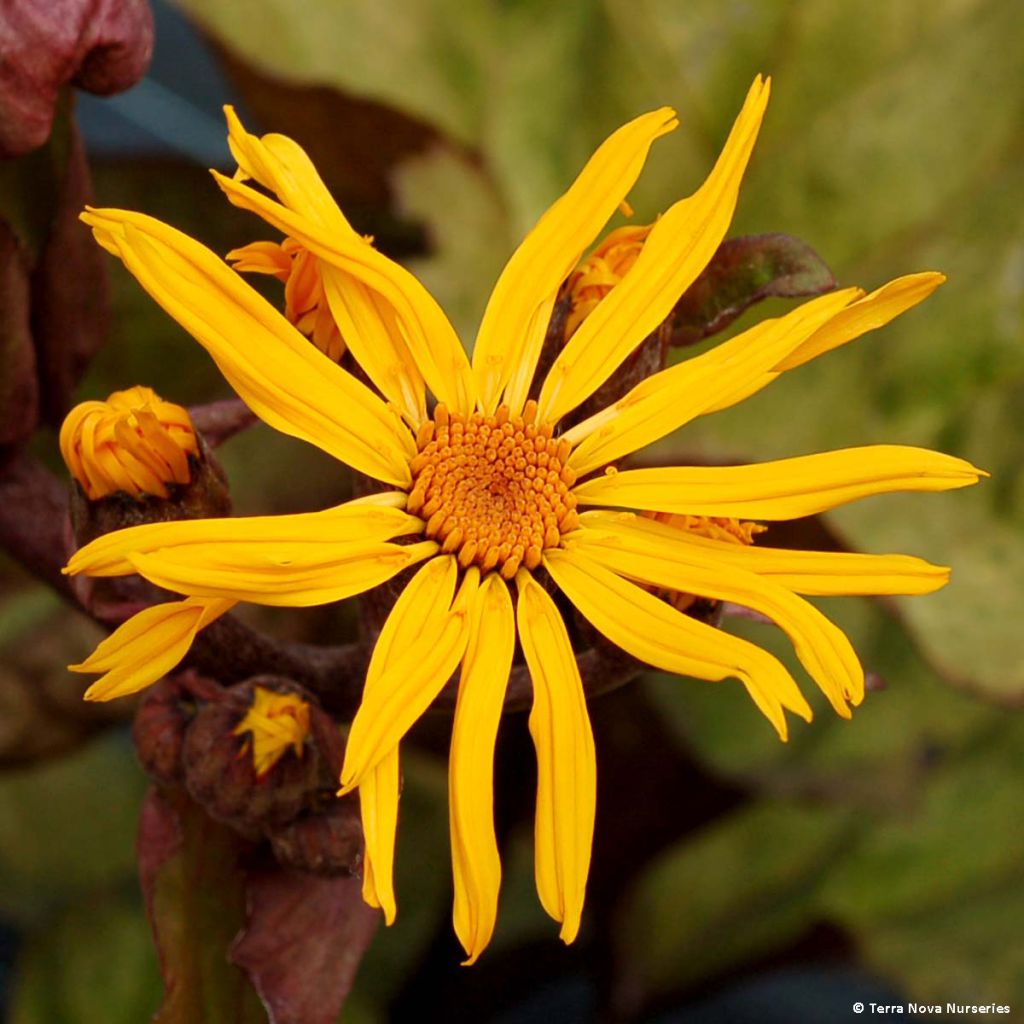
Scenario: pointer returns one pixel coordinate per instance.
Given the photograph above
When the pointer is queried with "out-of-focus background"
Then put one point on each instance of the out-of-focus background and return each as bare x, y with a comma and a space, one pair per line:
735, 878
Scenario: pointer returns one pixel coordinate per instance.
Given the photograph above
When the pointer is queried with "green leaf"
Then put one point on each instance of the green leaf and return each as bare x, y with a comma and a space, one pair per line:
94, 963
87, 803
957, 835
748, 881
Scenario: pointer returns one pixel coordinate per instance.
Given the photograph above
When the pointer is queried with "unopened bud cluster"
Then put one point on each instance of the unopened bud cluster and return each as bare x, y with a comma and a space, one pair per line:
247, 755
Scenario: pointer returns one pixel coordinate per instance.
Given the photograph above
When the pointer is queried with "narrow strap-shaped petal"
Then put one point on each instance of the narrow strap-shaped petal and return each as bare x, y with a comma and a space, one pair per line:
295, 575
816, 573
284, 379
373, 336
148, 646
265, 536
430, 337
656, 633
822, 648
667, 400
678, 248
786, 489
873, 311
262, 258
282, 166
413, 673
378, 809
413, 621
514, 324
475, 864
566, 763
867, 314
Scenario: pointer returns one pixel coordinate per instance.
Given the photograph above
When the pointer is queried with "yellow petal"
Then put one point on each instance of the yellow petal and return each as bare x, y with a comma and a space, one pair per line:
308, 214
818, 573
296, 575
678, 248
414, 673
516, 319
148, 646
373, 335
867, 314
262, 258
566, 765
669, 399
822, 648
414, 620
359, 520
378, 808
873, 311
367, 325
786, 489
475, 864
281, 165
284, 379
657, 634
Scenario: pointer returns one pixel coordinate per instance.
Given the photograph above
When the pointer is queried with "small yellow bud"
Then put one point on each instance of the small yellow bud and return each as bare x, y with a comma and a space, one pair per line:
133, 442
275, 722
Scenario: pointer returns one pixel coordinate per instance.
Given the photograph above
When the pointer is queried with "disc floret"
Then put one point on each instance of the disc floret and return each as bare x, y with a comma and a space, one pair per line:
495, 489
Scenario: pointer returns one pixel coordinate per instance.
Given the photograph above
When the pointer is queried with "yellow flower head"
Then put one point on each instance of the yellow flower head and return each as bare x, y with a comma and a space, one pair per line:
133, 442
275, 722
487, 490
305, 303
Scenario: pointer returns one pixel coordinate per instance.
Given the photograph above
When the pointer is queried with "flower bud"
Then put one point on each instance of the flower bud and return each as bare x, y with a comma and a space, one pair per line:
164, 714
601, 271
305, 303
274, 722
246, 758
323, 842
137, 459
133, 442
102, 46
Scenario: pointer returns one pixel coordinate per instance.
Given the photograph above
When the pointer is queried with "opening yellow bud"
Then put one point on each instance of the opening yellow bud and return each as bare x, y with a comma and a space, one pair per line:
275, 722
133, 442
602, 270
305, 304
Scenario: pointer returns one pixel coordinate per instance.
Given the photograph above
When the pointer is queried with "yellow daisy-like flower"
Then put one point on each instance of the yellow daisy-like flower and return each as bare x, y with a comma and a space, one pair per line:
485, 491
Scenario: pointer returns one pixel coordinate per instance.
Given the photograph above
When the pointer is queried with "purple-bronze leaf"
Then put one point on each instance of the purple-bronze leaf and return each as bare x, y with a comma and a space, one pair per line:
303, 942
70, 294
744, 271
102, 46
193, 885
19, 392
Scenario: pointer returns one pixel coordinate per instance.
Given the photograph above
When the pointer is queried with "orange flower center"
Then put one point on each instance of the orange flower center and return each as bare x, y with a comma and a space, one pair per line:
496, 489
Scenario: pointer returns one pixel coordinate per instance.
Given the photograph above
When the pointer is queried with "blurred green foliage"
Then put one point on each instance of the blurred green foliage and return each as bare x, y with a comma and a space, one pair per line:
892, 144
